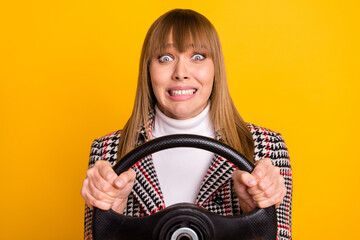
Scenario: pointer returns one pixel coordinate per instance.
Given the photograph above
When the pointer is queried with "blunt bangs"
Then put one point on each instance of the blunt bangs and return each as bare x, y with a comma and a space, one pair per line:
185, 29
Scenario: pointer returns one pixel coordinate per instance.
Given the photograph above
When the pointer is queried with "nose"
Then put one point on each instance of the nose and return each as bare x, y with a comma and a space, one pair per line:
181, 70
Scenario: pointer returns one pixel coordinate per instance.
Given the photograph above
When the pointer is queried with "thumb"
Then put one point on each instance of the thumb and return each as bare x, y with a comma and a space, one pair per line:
119, 182
245, 178
125, 178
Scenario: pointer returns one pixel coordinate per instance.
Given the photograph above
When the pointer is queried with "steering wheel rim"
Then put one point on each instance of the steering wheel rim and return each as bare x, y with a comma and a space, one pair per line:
259, 223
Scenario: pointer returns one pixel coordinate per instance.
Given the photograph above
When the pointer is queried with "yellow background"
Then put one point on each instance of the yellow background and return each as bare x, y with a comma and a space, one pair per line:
68, 75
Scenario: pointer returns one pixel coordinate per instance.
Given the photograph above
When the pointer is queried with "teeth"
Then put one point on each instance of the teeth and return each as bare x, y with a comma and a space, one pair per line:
182, 92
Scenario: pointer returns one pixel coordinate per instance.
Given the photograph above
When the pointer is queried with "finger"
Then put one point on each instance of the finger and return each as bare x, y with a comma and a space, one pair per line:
247, 206
263, 185
83, 192
125, 178
89, 199
242, 194
119, 205
266, 175
106, 171
268, 185
266, 194
100, 183
243, 177
93, 202
274, 200
245, 200
99, 195
261, 192
261, 169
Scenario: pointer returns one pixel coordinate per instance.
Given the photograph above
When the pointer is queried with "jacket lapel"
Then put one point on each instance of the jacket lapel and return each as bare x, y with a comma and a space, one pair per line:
219, 172
146, 186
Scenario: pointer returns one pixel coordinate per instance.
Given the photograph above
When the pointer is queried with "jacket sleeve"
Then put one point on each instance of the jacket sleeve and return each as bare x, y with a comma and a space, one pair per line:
280, 158
94, 156
270, 144
104, 148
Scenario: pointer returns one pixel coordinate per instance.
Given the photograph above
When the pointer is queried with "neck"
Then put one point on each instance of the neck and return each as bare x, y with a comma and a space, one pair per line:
200, 124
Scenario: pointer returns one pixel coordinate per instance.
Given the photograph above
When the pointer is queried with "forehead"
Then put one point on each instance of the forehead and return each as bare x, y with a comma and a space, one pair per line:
180, 40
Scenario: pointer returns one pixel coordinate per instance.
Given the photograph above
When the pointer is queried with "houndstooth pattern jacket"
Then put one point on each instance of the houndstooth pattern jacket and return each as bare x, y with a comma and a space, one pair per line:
215, 193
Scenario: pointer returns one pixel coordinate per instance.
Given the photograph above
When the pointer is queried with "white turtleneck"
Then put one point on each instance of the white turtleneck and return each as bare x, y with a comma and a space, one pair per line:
181, 170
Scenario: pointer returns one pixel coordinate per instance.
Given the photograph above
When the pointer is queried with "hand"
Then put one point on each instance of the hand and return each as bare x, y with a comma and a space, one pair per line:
104, 189
264, 187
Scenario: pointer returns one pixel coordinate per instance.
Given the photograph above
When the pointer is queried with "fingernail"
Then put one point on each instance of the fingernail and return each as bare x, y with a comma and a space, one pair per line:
252, 182
119, 183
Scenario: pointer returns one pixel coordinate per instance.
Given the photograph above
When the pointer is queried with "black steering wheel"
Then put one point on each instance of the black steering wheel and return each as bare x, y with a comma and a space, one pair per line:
185, 221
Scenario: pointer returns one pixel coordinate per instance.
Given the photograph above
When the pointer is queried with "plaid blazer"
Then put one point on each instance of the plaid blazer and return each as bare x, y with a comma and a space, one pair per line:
215, 193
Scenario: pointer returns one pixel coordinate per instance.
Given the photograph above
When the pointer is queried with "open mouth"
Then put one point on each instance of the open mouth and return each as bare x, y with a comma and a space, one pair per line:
182, 92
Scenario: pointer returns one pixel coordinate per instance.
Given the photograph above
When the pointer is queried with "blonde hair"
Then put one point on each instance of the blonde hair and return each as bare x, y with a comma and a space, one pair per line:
186, 28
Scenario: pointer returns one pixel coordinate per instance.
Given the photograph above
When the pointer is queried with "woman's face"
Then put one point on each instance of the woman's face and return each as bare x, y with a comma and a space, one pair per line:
182, 82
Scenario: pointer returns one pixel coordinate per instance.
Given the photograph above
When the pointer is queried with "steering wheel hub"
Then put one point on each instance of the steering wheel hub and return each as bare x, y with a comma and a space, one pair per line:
184, 233
182, 222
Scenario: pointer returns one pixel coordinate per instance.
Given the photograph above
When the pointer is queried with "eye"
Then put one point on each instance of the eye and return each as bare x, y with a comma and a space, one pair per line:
198, 56
165, 58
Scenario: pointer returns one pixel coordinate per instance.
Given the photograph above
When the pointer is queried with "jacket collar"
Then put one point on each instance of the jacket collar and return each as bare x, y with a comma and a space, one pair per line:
147, 188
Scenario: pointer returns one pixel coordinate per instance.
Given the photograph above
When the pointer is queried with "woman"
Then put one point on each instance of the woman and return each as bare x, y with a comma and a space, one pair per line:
182, 88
